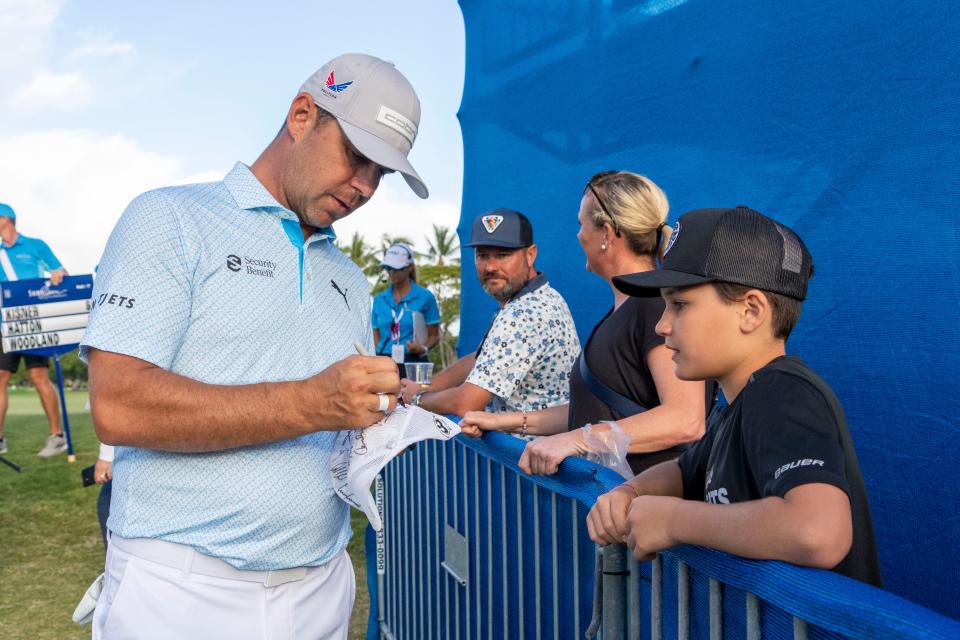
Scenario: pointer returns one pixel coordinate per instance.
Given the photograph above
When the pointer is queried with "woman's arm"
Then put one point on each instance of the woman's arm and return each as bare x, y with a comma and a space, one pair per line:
681, 415
433, 336
680, 418
539, 423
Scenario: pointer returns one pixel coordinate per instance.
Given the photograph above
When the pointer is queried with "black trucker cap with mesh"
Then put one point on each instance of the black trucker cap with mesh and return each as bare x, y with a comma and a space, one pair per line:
736, 245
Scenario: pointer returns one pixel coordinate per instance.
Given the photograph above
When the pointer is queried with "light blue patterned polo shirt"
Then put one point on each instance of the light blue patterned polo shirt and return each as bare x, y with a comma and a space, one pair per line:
214, 282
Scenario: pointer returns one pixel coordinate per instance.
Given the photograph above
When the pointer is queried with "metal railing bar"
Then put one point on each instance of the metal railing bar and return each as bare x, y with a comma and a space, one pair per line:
683, 602
446, 519
504, 594
800, 631
489, 549
476, 545
716, 610
417, 573
462, 474
397, 541
576, 568
520, 589
536, 558
456, 523
656, 599
753, 617
408, 613
394, 549
633, 597
385, 632
388, 534
429, 456
555, 547
381, 578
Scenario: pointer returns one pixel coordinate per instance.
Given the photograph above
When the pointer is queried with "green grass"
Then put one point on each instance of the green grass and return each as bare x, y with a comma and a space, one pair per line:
50, 547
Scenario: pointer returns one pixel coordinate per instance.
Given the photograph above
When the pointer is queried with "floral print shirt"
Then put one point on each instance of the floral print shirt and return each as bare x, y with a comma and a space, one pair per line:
527, 354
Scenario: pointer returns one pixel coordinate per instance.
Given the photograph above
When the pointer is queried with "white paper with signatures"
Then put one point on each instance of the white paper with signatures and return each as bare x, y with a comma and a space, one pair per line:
362, 453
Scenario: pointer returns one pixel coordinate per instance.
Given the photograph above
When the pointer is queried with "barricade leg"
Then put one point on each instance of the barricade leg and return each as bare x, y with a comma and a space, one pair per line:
71, 457
616, 574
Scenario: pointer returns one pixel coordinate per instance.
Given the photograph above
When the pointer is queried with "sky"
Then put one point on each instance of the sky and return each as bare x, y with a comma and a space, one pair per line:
101, 100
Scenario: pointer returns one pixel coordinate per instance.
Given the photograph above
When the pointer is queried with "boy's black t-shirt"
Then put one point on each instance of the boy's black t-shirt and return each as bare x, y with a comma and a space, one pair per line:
785, 429
617, 356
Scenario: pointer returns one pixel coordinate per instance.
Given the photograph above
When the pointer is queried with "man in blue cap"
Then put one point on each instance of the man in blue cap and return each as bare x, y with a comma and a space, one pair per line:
523, 362
22, 258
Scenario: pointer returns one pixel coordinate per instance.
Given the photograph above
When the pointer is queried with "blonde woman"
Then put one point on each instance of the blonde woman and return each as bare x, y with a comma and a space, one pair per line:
625, 373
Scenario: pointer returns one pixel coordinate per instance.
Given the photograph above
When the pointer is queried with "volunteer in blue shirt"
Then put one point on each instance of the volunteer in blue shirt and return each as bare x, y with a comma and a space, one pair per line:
23, 258
394, 309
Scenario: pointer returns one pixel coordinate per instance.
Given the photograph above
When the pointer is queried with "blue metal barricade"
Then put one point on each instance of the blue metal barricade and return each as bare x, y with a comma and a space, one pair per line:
474, 548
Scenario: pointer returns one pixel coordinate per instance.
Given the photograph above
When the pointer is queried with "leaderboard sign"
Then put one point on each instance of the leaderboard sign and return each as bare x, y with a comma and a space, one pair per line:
42, 319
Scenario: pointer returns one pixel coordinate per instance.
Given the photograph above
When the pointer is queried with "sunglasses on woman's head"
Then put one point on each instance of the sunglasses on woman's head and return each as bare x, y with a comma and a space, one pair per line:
596, 196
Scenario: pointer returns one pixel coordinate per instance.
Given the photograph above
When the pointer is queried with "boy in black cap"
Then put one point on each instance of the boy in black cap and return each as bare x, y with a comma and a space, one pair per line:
776, 476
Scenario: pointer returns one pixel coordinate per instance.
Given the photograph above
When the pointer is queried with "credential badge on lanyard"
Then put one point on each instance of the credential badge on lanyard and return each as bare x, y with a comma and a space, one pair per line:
396, 351
7, 266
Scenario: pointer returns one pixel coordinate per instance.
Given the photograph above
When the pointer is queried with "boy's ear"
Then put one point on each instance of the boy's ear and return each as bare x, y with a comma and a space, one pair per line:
755, 311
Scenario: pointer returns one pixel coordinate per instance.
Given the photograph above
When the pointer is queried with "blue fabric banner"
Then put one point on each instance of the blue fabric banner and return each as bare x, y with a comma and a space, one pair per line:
840, 118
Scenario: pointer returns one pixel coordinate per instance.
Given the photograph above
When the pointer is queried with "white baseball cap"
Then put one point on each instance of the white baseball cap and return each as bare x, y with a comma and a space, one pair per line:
375, 106
397, 256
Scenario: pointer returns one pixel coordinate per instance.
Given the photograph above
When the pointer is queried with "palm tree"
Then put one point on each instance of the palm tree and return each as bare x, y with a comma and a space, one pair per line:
362, 254
445, 280
443, 245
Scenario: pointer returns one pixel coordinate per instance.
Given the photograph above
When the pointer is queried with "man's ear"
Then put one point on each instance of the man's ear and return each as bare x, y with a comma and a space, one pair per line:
301, 116
531, 256
755, 311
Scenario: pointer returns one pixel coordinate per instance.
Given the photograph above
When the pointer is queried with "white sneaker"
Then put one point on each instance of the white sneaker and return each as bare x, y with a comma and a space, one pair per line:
3, 445
54, 445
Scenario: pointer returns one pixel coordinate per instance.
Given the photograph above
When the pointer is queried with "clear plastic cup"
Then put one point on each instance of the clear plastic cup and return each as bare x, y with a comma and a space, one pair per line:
419, 372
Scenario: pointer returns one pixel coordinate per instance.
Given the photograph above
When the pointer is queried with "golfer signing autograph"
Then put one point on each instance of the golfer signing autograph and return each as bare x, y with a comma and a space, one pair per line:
222, 364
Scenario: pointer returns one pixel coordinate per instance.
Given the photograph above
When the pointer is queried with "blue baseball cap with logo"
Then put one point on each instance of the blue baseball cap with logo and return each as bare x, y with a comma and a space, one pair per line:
504, 228
6, 211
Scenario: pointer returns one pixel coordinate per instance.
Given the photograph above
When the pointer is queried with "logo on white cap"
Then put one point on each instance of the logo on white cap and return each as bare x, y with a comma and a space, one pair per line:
673, 238
490, 223
333, 86
398, 122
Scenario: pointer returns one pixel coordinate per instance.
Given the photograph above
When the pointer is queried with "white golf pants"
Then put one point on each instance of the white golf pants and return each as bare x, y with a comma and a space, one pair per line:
157, 590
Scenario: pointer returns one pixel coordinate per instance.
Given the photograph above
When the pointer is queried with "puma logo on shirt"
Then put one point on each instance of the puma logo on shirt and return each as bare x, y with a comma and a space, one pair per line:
342, 292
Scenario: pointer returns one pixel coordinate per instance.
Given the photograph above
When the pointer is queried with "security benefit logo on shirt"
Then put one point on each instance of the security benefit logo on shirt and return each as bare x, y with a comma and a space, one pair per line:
361, 454
251, 266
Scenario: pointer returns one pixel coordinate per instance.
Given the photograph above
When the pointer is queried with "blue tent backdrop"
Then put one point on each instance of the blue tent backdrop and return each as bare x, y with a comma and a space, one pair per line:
839, 118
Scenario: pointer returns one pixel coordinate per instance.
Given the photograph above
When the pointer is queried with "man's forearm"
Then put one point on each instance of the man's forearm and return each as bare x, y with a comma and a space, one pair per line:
457, 401
454, 375
135, 403
180, 414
